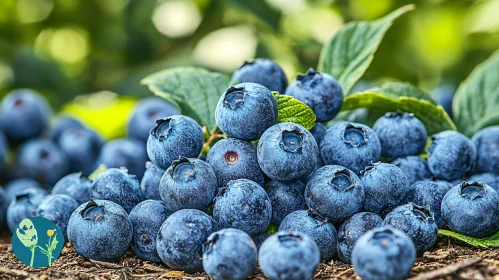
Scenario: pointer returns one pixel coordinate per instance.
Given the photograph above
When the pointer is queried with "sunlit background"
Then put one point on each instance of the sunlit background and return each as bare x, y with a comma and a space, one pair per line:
65, 49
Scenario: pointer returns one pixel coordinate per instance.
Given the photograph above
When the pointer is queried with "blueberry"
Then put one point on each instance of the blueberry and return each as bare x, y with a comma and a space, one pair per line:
234, 159
126, 152
262, 71
118, 186
386, 187
487, 144
444, 96
471, 208
4, 149
173, 137
244, 205
147, 218
417, 222
351, 145
317, 166
149, 185
100, 230
415, 168
4, 204
318, 228
245, 111
82, 146
335, 193
383, 253
188, 184
319, 91
400, 134
58, 208
490, 179
23, 115
285, 197
20, 185
318, 132
289, 255
76, 186
180, 239
352, 229
23, 206
287, 152
259, 239
229, 254
431, 193
451, 155
62, 124
43, 161
145, 114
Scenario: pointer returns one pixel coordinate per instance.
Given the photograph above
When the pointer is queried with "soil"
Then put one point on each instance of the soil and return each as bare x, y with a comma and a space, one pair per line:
448, 260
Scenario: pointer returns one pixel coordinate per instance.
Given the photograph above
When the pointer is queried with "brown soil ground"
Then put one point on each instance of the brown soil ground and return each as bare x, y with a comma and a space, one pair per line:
448, 260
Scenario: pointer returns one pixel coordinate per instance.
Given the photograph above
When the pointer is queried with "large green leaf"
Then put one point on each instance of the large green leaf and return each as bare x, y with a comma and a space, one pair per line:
476, 104
293, 110
348, 53
195, 91
396, 90
486, 242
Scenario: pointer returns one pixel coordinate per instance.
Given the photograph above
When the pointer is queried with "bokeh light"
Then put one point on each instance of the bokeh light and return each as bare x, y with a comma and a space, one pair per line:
176, 18
29, 11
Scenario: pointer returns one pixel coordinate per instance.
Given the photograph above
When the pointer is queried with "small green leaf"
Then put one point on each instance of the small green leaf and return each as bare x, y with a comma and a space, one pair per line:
26, 232
348, 53
53, 244
272, 229
195, 91
486, 242
293, 110
395, 89
476, 103
42, 249
97, 172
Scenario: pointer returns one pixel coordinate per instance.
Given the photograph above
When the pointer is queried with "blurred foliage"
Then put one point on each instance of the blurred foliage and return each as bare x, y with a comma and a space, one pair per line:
66, 48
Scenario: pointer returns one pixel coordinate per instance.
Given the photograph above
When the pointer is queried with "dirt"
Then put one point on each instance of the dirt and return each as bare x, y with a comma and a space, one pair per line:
448, 260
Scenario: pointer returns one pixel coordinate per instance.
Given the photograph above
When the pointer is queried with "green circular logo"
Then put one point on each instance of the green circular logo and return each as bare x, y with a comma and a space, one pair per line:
37, 242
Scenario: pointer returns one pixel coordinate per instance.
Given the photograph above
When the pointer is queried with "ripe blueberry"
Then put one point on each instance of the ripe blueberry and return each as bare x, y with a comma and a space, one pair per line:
262, 71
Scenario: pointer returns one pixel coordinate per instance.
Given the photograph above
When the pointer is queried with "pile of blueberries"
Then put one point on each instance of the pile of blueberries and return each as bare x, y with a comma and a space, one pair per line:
326, 190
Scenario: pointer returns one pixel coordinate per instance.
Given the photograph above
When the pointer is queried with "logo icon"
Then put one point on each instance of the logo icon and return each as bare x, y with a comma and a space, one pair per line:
37, 242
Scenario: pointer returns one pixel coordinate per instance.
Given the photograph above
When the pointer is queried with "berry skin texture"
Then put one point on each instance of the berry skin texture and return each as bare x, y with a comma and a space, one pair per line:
20, 185
180, 238
289, 255
4, 204
4, 149
82, 147
126, 152
386, 187
471, 208
490, 179
318, 132
20, 108
143, 118
319, 91
430, 193
487, 146
351, 145
335, 193
173, 137
414, 167
444, 96
259, 239
62, 124
188, 184
43, 161
264, 72
243, 205
24, 206
100, 230
352, 229
245, 111
287, 152
400, 134
417, 222
451, 155
285, 197
383, 253
118, 186
58, 208
147, 218
149, 185
76, 186
234, 159
229, 254
321, 231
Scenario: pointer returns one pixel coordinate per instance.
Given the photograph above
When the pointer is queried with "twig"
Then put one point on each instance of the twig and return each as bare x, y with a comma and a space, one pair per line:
105, 264
446, 270
13, 272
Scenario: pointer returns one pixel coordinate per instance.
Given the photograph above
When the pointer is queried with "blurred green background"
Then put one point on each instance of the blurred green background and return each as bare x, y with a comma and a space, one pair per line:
66, 48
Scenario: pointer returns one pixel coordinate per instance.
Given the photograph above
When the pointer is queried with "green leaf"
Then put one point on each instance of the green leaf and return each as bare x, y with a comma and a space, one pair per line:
26, 232
53, 244
476, 103
486, 242
272, 229
395, 90
97, 172
195, 91
293, 110
348, 53
42, 249
433, 117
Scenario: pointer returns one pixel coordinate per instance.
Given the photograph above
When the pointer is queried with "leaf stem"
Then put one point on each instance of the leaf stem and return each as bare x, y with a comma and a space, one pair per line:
207, 145
32, 249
